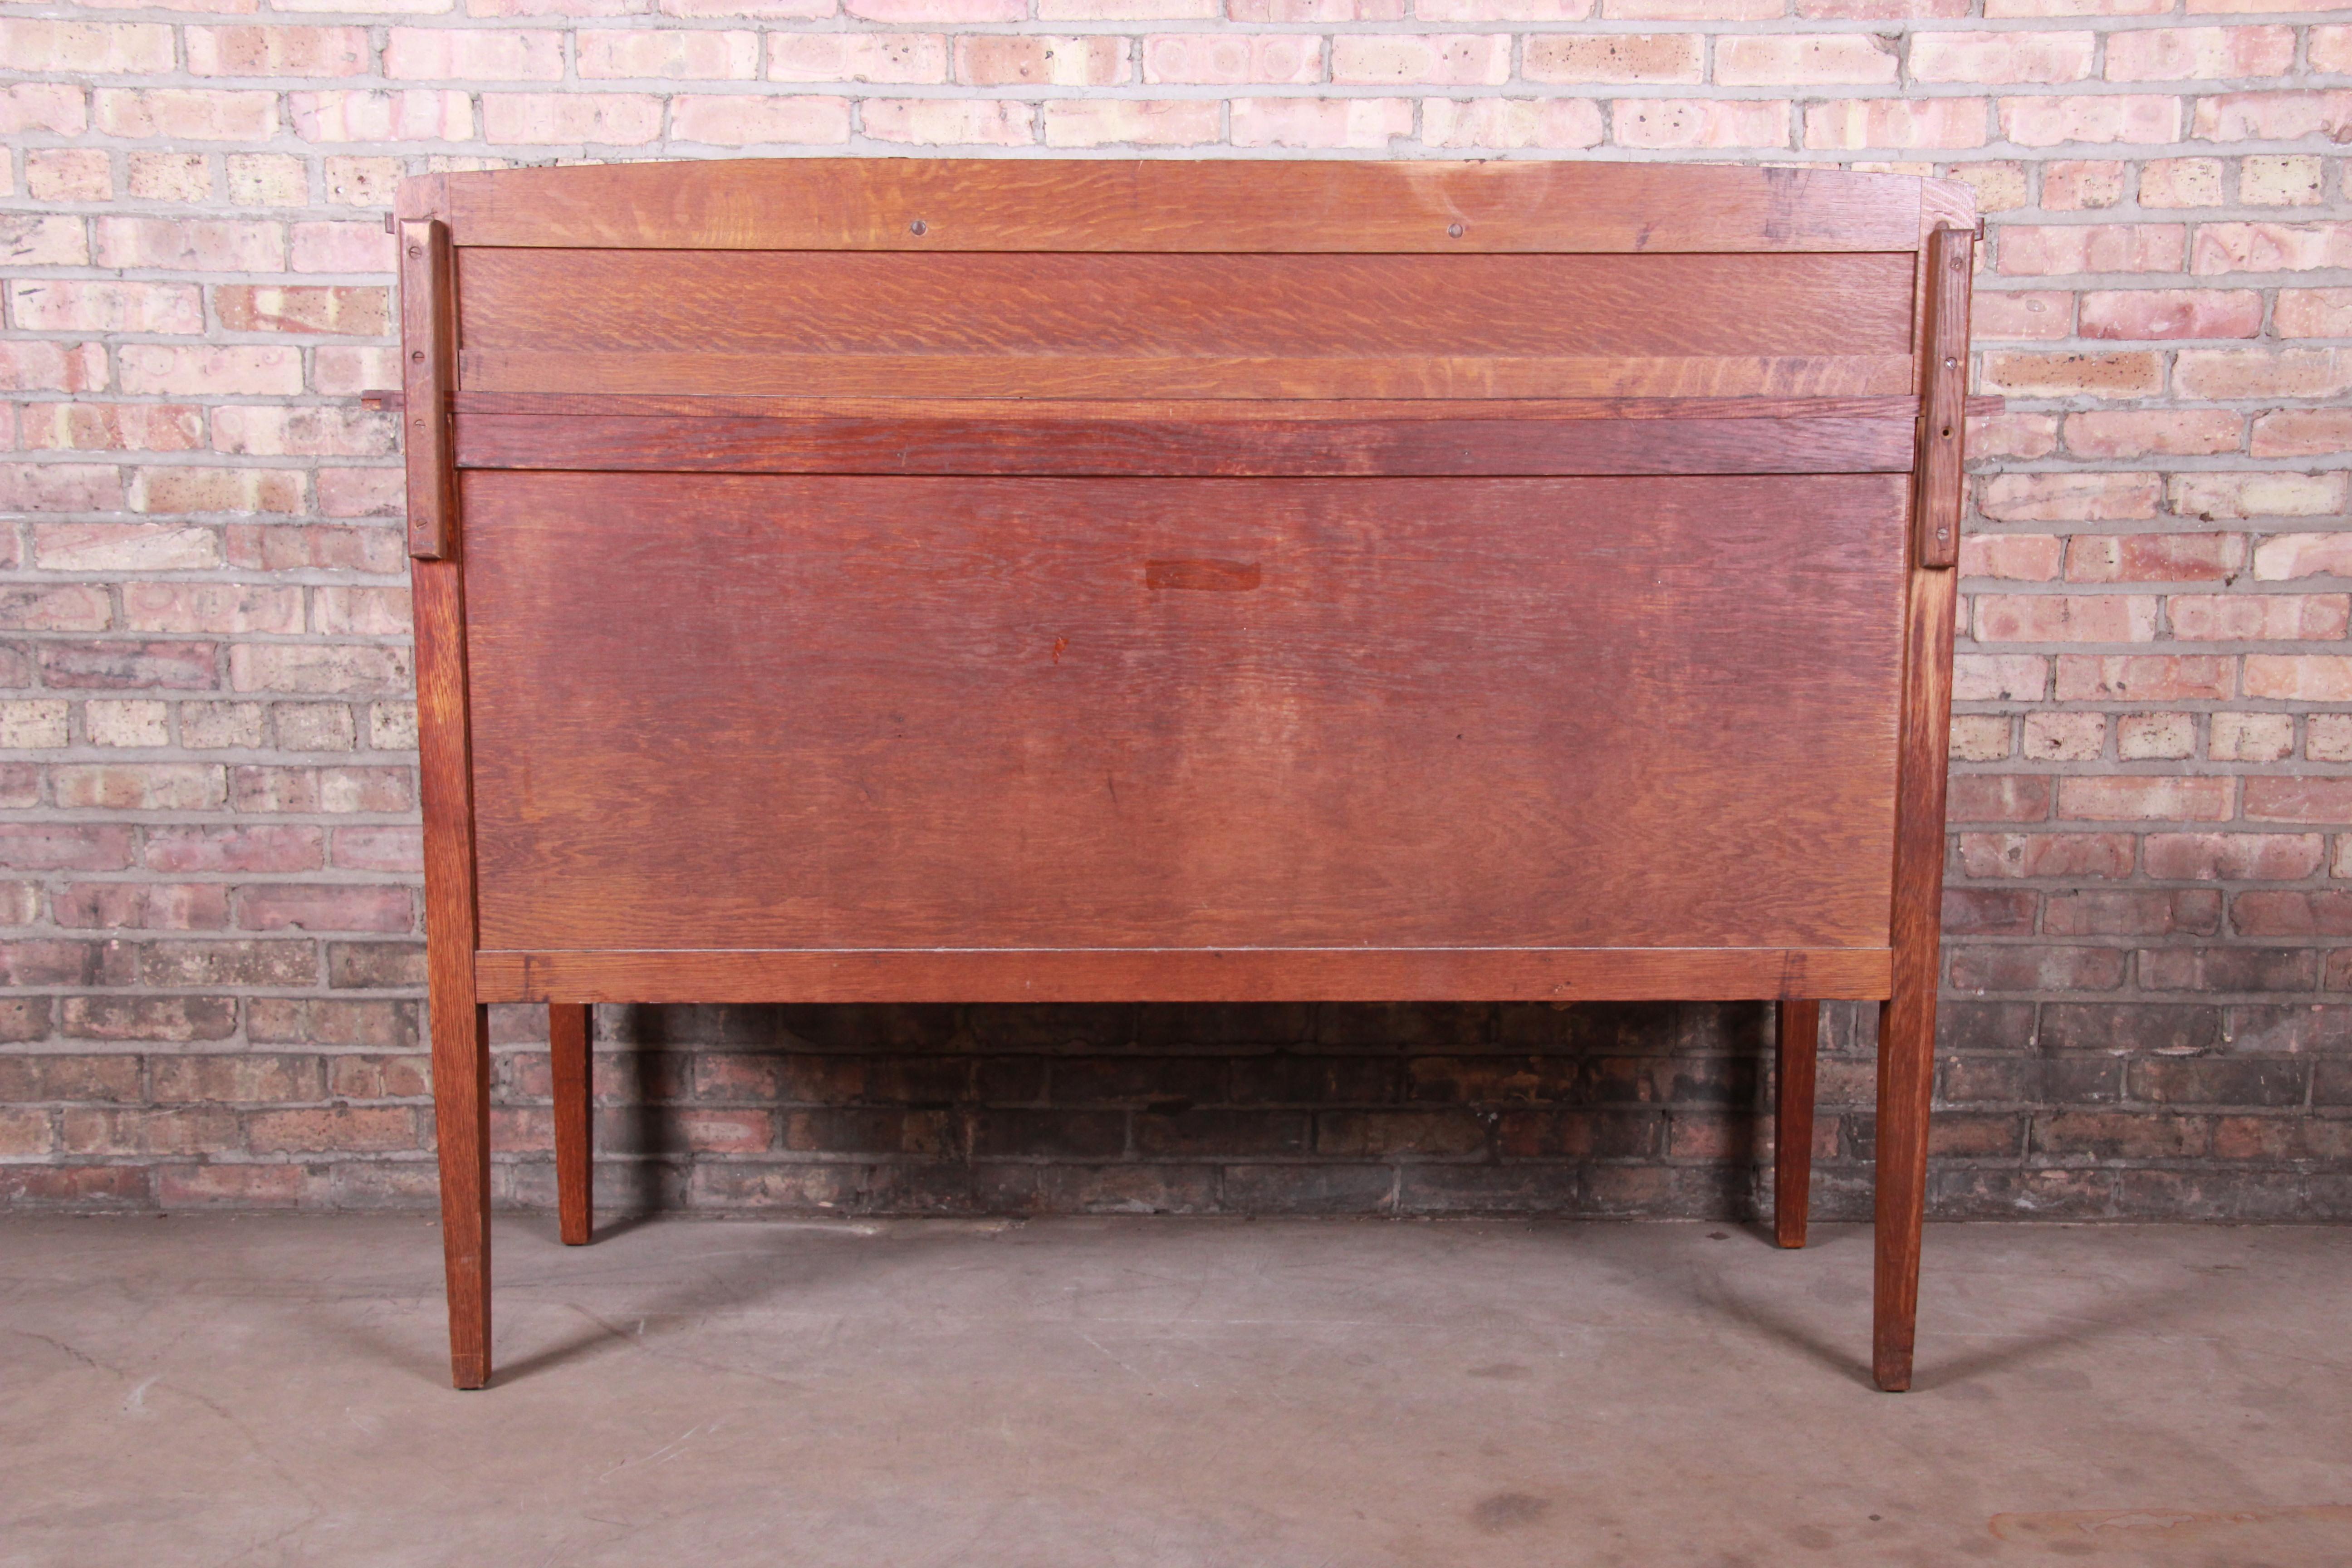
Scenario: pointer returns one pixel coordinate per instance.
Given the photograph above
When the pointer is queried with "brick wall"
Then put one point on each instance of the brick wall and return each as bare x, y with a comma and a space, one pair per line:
208, 850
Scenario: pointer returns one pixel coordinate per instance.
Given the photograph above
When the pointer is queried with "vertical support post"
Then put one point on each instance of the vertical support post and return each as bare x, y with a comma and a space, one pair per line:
567, 1045
1906, 1027
460, 1024
1793, 1119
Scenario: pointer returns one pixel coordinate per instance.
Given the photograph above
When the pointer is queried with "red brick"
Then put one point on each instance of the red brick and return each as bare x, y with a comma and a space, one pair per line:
2147, 432
2148, 798
277, 51
2043, 250
2079, 184
264, 847
1853, 124
2069, 498
884, 58
1454, 60
2302, 912
2263, 373
1613, 57
140, 906
2068, 855
1013, 61
2274, 116
2155, 313
2298, 800
2018, 557
1999, 797
336, 1130
2195, 912
2144, 677
2314, 313
2021, 968
1805, 59
2270, 246
2075, 373
2064, 618
2302, 433
1504, 122
2233, 857
1364, 123
2155, 557
2001, 58
2194, 54
944, 122
2226, 618
473, 54
65, 846
1143, 122
2300, 677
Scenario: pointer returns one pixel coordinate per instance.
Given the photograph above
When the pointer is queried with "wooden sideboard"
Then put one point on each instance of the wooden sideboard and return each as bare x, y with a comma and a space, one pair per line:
898, 581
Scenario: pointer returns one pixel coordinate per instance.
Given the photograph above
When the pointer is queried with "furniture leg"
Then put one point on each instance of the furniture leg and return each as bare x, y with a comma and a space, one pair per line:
1907, 1022
567, 1044
1793, 1119
461, 1096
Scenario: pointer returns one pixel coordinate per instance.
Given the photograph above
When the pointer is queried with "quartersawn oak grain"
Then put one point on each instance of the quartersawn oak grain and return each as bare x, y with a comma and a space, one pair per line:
914, 204
1017, 733
1185, 974
871, 712
1171, 448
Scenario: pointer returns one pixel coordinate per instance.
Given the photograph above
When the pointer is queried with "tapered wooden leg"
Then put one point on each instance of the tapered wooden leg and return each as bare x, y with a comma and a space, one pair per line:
575, 1149
1793, 1119
461, 1097
1907, 1023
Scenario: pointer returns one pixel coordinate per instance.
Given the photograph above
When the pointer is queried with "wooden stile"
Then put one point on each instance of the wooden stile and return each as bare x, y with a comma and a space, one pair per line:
876, 580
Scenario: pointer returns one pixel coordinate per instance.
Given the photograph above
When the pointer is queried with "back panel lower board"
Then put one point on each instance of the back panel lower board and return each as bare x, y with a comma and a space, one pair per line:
763, 712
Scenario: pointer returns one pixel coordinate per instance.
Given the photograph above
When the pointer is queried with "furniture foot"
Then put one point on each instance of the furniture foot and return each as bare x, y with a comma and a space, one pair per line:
1793, 1121
567, 1044
461, 1056
1906, 1029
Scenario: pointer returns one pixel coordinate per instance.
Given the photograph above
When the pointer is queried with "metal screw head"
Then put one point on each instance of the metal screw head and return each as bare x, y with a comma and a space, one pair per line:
918, 227
1454, 230
415, 250
417, 354
1950, 363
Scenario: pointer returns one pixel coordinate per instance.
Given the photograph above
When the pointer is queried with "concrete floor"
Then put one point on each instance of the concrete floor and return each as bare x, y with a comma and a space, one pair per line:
1169, 1394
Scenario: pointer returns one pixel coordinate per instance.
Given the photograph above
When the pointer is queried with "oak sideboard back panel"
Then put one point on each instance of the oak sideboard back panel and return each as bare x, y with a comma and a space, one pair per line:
881, 581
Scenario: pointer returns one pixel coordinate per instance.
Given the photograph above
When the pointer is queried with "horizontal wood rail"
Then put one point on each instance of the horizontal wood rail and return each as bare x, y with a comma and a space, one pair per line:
1183, 974
1177, 448
1237, 206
